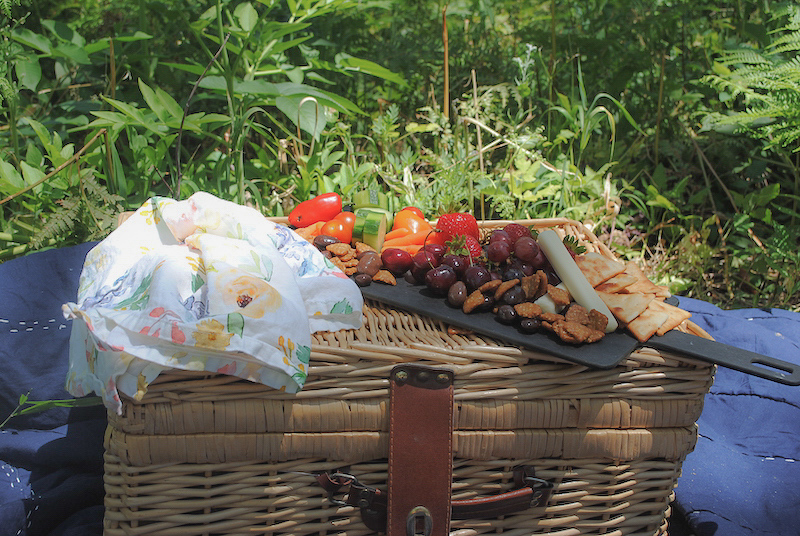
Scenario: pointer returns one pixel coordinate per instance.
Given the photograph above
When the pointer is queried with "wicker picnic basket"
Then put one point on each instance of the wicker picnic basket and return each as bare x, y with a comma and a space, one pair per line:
206, 454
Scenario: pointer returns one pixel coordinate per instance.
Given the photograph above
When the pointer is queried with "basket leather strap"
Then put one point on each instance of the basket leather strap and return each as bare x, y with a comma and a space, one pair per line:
420, 450
528, 492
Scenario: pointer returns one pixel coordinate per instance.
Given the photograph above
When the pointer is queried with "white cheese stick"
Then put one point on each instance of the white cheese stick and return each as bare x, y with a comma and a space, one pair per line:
569, 273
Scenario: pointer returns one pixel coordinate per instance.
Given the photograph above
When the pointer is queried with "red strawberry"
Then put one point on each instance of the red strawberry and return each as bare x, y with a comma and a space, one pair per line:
516, 230
465, 246
457, 223
473, 246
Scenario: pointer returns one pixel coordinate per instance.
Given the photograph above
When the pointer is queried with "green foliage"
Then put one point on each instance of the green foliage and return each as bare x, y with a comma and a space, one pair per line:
615, 113
763, 87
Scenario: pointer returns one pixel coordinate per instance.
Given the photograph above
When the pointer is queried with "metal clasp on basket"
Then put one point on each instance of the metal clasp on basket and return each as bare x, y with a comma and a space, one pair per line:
340, 480
419, 515
525, 476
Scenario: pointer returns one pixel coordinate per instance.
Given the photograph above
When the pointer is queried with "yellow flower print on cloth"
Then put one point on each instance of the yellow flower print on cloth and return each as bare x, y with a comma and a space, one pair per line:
211, 334
204, 285
247, 294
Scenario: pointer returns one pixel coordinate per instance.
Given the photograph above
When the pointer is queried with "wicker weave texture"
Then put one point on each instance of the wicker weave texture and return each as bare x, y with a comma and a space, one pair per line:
592, 496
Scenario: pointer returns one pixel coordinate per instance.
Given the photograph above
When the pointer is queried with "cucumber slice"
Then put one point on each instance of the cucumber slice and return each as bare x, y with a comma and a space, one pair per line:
358, 228
374, 229
363, 211
371, 198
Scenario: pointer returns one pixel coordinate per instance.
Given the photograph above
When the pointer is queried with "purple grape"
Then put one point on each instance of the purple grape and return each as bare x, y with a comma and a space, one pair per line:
513, 296
475, 276
513, 273
552, 277
498, 251
540, 261
499, 235
526, 249
438, 250
526, 268
458, 263
440, 279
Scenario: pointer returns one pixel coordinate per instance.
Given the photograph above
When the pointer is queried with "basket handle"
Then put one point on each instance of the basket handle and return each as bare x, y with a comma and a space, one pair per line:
527, 492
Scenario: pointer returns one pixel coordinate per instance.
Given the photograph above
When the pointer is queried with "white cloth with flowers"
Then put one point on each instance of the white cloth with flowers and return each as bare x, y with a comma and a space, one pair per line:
203, 285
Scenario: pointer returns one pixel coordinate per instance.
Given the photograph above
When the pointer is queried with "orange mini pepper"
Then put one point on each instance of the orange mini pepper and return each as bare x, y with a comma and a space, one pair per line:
409, 219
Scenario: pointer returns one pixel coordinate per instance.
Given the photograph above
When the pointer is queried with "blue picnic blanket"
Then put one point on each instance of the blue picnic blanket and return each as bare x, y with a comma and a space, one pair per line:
742, 478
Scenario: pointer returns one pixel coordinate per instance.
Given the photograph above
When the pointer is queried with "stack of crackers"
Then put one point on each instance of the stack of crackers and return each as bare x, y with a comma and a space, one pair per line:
636, 302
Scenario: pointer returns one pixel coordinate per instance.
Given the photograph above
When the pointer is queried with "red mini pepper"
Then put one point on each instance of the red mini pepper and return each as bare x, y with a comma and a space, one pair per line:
320, 208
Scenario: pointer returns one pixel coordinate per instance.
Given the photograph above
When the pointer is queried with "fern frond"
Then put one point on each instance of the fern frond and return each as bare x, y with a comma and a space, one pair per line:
60, 224
5, 7
742, 56
98, 192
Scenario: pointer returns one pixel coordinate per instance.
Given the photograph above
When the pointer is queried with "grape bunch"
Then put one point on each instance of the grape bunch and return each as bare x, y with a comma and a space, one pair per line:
506, 255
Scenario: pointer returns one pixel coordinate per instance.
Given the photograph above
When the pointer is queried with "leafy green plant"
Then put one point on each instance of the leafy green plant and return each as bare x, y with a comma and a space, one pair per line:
254, 49
27, 406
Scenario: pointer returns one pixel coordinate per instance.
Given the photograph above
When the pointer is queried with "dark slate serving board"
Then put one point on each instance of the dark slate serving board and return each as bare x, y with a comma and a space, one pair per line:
605, 354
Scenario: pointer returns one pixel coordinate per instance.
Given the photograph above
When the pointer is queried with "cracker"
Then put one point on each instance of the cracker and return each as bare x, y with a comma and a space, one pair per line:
339, 249
338, 263
534, 286
598, 268
361, 247
572, 332
350, 256
559, 296
550, 318
595, 336
577, 313
626, 307
528, 310
676, 316
646, 324
490, 286
597, 320
543, 282
384, 276
473, 301
643, 284
616, 283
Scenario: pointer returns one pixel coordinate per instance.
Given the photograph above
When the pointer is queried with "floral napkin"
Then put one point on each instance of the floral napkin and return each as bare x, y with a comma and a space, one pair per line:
205, 285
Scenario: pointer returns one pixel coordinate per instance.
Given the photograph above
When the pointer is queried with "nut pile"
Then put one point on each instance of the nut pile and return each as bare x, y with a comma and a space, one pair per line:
361, 262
